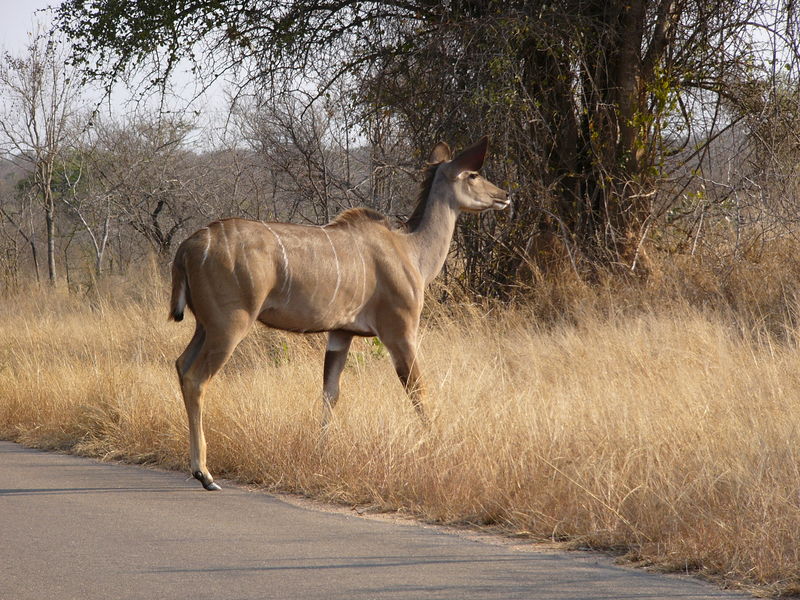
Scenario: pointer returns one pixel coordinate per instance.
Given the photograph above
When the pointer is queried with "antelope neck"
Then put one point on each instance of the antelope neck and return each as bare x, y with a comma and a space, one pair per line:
431, 239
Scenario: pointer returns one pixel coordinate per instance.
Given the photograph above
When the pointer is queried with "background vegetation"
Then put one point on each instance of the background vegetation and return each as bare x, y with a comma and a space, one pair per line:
623, 128
614, 363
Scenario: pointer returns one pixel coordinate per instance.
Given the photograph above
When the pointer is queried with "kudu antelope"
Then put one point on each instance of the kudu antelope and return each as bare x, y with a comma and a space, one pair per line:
356, 276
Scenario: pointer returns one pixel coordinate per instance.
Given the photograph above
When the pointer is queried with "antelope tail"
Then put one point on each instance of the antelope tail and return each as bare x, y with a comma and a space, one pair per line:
178, 300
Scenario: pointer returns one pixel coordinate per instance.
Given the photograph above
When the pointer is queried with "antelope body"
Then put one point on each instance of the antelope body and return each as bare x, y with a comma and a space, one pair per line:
355, 276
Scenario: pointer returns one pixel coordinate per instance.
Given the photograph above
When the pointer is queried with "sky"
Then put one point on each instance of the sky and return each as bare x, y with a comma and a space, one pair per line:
17, 22
19, 19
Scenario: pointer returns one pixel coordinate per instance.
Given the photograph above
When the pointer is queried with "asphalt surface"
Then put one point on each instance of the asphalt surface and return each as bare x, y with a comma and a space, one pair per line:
75, 528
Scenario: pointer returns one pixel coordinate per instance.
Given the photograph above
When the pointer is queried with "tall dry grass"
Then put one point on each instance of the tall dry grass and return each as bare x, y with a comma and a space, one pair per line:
658, 428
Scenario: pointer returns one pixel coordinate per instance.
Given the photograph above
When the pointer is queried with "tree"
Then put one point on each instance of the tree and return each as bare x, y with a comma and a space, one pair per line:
87, 200
39, 96
586, 100
141, 167
20, 216
317, 165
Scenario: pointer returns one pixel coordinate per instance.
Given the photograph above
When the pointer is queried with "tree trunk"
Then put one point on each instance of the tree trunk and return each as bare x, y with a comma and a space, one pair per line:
35, 258
49, 218
607, 216
44, 174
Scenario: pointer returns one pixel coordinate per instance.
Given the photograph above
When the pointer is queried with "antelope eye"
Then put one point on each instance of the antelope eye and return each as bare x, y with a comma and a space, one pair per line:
473, 175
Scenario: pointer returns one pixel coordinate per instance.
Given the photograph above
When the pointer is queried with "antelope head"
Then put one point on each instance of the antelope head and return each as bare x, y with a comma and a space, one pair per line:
471, 192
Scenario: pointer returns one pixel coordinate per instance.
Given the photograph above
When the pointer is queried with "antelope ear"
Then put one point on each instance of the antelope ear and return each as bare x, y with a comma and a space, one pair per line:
472, 158
440, 153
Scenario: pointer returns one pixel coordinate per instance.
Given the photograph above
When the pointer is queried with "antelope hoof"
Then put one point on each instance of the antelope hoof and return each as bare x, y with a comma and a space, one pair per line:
206, 480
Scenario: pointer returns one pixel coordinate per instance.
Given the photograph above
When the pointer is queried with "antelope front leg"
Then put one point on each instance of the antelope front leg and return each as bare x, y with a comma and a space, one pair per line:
335, 358
404, 356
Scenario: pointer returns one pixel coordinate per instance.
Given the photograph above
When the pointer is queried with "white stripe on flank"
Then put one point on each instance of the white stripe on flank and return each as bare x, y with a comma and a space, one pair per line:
208, 245
338, 270
363, 278
225, 239
356, 245
286, 272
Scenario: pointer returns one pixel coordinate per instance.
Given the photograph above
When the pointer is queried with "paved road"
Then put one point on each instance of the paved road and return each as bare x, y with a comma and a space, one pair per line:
74, 528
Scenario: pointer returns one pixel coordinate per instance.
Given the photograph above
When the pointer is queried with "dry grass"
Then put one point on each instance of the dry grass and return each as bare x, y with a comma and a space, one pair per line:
670, 433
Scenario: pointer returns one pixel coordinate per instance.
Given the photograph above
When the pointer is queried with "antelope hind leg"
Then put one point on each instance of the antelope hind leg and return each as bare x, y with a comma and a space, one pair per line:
216, 348
193, 390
